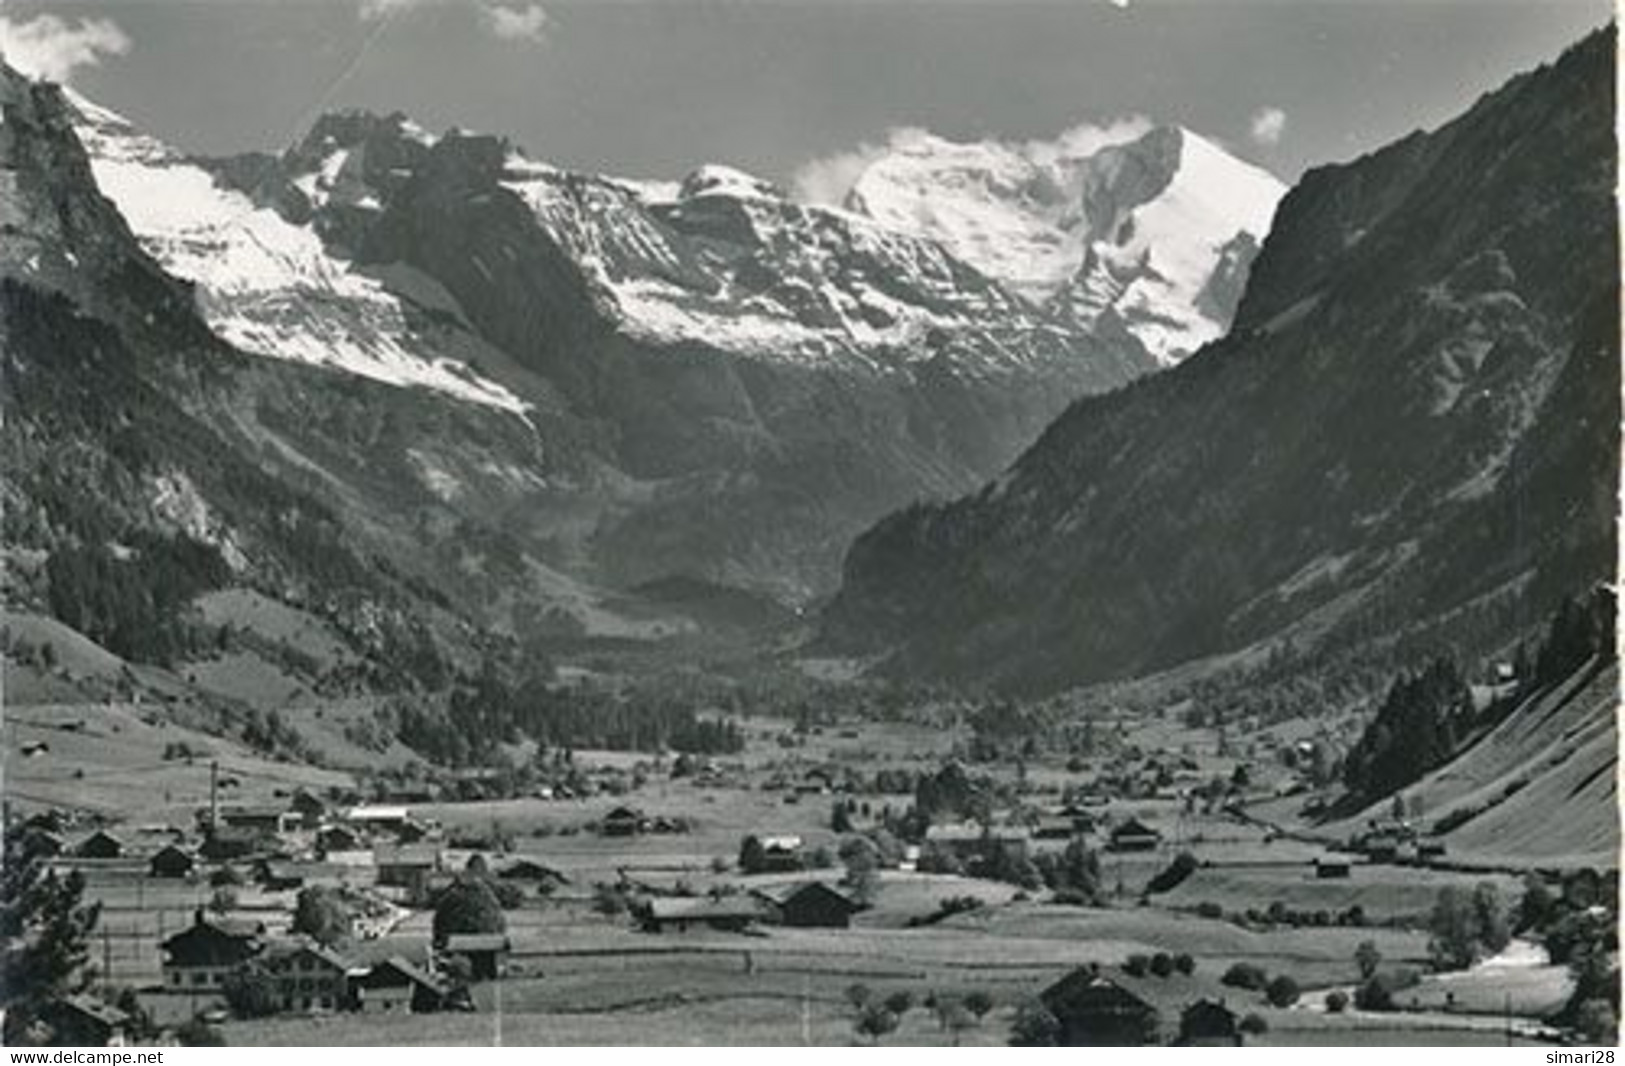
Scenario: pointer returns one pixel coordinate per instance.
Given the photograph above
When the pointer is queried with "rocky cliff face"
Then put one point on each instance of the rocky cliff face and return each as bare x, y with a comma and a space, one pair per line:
726, 383
1414, 415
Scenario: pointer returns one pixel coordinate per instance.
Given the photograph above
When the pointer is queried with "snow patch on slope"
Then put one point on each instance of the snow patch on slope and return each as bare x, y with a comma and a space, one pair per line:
265, 285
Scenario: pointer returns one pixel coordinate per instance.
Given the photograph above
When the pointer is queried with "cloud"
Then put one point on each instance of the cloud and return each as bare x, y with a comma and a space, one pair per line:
1268, 124
49, 47
828, 179
527, 23
506, 20
372, 10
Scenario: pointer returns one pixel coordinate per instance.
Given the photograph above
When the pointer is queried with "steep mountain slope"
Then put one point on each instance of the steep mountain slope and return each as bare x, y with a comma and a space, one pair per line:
1540, 786
744, 381
1147, 232
1415, 413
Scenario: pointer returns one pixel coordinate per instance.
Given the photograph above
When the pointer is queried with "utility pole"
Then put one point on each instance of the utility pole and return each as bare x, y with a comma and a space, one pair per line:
214, 794
107, 958
806, 1014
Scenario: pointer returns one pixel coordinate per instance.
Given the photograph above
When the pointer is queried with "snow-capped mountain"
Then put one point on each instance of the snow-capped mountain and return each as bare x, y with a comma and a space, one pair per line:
1151, 227
738, 380
266, 283
1408, 438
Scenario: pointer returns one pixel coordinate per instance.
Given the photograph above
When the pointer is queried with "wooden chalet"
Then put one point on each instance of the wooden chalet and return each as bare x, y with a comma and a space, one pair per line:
395, 986
80, 1021
1095, 1011
201, 956
259, 818
621, 822
307, 807
1134, 835
337, 838
732, 915
1208, 1023
406, 866
170, 861
308, 977
1329, 868
100, 845
810, 905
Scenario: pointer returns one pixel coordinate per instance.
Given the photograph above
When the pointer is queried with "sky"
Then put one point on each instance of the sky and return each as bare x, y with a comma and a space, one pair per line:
791, 88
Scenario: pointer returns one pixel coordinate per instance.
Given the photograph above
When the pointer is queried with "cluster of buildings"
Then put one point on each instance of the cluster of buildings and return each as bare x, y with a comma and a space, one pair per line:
205, 957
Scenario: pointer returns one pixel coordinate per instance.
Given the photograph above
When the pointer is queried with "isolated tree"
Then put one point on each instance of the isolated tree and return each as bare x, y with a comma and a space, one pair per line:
859, 995
468, 906
752, 856
1337, 1001
1367, 958
900, 1002
978, 1003
1282, 992
955, 1017
876, 1022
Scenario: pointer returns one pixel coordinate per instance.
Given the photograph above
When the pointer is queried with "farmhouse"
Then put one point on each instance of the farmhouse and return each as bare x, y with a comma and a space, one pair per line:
485, 952
307, 807
395, 986
377, 818
621, 822
1054, 827
406, 866
1329, 868
259, 818
1095, 1011
79, 1021
781, 853
521, 868
810, 905
728, 915
204, 954
308, 977
1380, 848
1134, 835
972, 840
337, 838
1208, 1023
171, 861
100, 845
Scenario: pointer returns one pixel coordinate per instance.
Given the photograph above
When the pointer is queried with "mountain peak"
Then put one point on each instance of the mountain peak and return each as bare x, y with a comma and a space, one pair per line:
1129, 222
717, 179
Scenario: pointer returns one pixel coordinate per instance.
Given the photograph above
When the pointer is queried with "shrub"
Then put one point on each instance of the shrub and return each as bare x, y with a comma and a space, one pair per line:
1209, 909
1034, 1026
1282, 992
876, 1021
1253, 1025
1185, 963
1374, 995
1136, 965
1245, 975
1162, 964
978, 1002
900, 1002
1183, 866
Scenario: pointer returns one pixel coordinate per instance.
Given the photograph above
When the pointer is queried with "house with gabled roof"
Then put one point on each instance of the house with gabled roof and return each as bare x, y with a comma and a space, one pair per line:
171, 861
80, 1021
1096, 1011
100, 845
1133, 835
308, 976
201, 956
809, 905
395, 986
